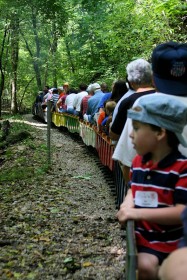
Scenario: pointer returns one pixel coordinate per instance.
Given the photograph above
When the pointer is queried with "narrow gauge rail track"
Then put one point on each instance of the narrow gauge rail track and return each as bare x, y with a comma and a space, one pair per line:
104, 148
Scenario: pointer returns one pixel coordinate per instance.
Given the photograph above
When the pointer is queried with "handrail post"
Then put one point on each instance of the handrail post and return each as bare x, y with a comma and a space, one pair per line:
49, 106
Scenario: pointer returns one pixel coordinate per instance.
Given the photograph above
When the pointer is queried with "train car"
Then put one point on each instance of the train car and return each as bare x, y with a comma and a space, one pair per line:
40, 111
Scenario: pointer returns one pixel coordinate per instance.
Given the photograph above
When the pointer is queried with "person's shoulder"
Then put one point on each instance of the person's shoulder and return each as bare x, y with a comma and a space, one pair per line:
183, 99
137, 161
126, 101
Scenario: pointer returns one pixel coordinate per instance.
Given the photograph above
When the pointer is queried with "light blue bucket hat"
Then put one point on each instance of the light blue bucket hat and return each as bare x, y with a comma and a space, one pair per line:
162, 110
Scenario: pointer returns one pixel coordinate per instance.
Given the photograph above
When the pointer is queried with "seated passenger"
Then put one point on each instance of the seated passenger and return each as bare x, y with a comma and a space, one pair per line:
84, 102
61, 91
104, 88
54, 98
93, 103
69, 101
119, 89
140, 76
66, 87
60, 105
105, 116
47, 97
78, 99
158, 193
107, 95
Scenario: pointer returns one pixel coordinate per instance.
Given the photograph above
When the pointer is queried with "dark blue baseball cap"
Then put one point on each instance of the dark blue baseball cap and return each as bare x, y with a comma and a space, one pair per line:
169, 64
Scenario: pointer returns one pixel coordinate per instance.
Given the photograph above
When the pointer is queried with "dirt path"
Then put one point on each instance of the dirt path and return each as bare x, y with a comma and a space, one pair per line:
64, 226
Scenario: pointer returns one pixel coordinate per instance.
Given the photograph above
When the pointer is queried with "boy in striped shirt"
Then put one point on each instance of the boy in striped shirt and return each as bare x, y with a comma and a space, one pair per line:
158, 192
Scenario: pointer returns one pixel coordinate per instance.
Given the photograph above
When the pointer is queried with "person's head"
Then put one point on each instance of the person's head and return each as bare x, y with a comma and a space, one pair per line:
139, 73
110, 106
55, 91
118, 90
72, 90
66, 87
104, 87
60, 90
89, 90
94, 87
46, 89
157, 118
169, 64
83, 87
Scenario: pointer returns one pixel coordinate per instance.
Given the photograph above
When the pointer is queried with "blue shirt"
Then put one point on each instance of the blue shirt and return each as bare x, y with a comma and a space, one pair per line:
106, 96
93, 104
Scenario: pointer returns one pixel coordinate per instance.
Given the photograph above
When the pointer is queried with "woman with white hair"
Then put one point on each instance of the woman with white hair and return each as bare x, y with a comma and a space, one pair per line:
139, 74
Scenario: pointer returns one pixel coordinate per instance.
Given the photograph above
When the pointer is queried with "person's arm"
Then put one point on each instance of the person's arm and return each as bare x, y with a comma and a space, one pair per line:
163, 216
58, 103
128, 200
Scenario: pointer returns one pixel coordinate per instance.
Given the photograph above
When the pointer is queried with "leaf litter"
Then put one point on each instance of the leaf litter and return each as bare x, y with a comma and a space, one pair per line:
62, 225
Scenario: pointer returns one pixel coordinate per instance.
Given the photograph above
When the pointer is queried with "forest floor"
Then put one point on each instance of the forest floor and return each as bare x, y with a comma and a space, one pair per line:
61, 223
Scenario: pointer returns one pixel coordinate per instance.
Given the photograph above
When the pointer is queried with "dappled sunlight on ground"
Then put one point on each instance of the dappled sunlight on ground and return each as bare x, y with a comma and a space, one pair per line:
35, 124
28, 119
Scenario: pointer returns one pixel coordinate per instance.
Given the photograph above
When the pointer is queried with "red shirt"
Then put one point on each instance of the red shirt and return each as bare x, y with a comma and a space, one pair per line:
84, 104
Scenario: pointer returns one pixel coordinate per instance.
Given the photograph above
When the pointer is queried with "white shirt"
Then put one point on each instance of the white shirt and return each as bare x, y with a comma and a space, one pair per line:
78, 99
69, 100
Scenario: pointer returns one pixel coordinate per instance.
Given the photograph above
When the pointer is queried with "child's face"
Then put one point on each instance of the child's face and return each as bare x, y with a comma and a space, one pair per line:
143, 138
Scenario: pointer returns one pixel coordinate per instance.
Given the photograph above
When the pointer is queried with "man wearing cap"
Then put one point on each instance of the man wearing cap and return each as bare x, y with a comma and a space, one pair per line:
93, 102
158, 193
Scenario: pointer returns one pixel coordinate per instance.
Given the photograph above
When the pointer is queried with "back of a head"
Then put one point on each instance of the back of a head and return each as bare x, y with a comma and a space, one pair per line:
139, 72
169, 63
95, 86
104, 87
55, 91
119, 89
83, 87
89, 88
60, 89
46, 88
73, 90
110, 106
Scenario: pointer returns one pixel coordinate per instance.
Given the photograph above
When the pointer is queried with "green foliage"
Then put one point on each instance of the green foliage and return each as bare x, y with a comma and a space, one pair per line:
82, 40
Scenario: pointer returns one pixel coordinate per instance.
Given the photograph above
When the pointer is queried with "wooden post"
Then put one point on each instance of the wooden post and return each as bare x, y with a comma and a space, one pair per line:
49, 106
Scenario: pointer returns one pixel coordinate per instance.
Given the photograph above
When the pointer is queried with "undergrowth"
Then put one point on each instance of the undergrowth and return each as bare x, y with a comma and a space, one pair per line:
24, 157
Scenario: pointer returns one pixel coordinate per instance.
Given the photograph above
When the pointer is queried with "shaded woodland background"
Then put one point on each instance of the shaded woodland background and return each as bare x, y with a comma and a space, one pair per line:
50, 42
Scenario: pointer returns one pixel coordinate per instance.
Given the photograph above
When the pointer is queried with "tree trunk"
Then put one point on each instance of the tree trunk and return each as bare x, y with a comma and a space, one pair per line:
54, 51
37, 43
69, 56
2, 68
14, 26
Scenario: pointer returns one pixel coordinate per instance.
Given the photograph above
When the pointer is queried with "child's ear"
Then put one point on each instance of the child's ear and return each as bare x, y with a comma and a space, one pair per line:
161, 134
